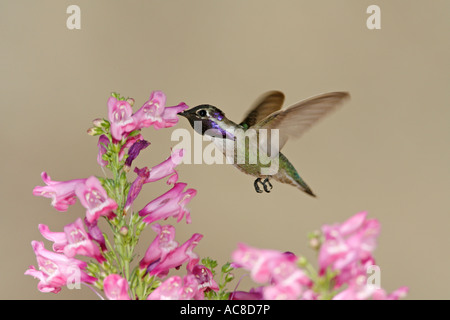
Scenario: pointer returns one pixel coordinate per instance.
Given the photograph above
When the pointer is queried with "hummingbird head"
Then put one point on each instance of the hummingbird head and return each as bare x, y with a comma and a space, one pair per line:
207, 119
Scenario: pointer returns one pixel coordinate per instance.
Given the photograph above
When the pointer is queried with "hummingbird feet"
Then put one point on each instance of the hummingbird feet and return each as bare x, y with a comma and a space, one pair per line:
265, 183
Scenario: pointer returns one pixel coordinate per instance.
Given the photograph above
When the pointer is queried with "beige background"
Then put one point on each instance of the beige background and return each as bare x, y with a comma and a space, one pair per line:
387, 151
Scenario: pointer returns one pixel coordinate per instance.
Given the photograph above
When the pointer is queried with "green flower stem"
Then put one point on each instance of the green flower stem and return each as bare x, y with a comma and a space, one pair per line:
126, 230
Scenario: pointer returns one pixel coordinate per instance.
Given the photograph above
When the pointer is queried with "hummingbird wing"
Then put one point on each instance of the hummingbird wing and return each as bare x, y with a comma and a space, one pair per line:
298, 118
266, 104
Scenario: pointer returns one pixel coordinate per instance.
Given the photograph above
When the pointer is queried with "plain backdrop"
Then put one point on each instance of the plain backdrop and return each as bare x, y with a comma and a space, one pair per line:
385, 152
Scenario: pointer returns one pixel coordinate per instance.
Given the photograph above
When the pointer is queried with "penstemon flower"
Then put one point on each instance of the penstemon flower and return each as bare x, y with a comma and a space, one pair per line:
56, 270
73, 241
95, 199
116, 287
111, 198
177, 288
345, 250
172, 203
155, 113
345, 256
62, 193
120, 117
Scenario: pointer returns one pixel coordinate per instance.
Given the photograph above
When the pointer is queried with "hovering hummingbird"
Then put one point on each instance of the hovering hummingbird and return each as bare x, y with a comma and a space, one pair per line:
266, 113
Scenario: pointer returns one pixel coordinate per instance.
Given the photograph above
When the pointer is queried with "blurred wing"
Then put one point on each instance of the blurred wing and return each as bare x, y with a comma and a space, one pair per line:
297, 119
267, 104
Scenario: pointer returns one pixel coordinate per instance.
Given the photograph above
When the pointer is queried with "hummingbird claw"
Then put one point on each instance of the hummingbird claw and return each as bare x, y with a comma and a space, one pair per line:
265, 183
257, 189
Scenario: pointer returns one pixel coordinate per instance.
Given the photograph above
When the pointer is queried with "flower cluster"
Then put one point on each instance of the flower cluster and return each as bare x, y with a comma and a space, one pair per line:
120, 142
345, 253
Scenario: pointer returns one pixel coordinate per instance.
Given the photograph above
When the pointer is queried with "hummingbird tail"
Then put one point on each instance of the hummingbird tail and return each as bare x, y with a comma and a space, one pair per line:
303, 186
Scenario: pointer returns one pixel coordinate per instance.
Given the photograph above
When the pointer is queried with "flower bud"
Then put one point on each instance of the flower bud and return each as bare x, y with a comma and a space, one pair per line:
93, 268
101, 123
227, 268
314, 243
94, 131
229, 277
123, 231
97, 122
302, 262
130, 101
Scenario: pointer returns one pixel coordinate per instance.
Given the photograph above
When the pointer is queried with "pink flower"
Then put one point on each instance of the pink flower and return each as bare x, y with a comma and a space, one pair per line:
253, 294
136, 186
280, 292
62, 193
265, 265
95, 199
154, 112
56, 270
116, 287
161, 246
380, 294
171, 204
348, 245
289, 282
59, 239
73, 241
178, 256
274, 267
175, 288
167, 168
120, 117
359, 289
204, 278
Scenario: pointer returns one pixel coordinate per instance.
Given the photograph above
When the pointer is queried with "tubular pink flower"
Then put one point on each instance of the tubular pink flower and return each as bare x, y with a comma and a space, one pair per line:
62, 193
120, 117
380, 294
279, 292
161, 246
166, 168
56, 270
136, 186
73, 241
59, 239
348, 245
204, 278
79, 242
274, 267
253, 294
175, 288
265, 265
171, 204
154, 112
178, 256
116, 287
358, 289
95, 199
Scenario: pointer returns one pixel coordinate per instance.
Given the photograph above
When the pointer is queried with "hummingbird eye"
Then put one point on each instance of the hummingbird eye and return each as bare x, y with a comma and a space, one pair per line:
202, 113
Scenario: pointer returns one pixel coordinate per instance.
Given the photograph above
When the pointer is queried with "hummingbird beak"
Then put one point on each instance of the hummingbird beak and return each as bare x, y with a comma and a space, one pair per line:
184, 114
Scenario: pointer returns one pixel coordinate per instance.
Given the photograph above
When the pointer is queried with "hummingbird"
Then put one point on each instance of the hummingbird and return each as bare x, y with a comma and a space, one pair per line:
266, 113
